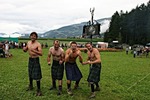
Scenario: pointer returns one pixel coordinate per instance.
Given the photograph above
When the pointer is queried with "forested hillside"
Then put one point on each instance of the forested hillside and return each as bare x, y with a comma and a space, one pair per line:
130, 27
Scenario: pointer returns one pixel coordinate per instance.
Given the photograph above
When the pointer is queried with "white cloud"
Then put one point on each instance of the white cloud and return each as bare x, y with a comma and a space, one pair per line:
105, 25
25, 16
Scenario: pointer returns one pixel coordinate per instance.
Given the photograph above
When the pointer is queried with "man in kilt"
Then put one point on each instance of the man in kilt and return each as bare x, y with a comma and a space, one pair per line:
34, 68
57, 69
72, 71
95, 68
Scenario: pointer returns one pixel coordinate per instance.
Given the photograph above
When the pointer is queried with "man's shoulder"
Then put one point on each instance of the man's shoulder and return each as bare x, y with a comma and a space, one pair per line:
61, 49
95, 50
68, 50
51, 47
29, 41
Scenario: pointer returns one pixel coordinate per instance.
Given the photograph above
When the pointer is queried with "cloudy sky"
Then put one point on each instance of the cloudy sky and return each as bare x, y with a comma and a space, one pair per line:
25, 16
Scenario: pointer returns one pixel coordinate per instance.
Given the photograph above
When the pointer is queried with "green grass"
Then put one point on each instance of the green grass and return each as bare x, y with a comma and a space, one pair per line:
122, 78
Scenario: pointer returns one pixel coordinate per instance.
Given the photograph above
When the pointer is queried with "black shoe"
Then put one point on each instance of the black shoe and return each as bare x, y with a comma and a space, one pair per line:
92, 95
39, 93
59, 92
52, 88
76, 87
69, 92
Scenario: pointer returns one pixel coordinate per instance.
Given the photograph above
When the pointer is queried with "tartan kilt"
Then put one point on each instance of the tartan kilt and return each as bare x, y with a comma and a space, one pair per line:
72, 71
57, 70
34, 68
94, 75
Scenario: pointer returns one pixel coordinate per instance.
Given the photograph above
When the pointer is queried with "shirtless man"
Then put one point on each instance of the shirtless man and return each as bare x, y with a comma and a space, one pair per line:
57, 69
95, 61
34, 68
72, 71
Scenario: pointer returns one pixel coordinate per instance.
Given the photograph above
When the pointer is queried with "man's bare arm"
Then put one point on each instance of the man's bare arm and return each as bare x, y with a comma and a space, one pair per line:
67, 56
38, 51
63, 56
80, 57
49, 57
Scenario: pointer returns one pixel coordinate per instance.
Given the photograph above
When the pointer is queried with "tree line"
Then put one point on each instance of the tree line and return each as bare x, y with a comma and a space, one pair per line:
130, 27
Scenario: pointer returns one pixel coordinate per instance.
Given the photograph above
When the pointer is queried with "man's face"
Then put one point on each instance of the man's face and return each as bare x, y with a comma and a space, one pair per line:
73, 47
33, 37
89, 47
56, 45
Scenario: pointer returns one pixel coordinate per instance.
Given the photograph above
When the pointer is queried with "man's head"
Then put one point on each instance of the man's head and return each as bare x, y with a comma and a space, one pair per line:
33, 36
56, 44
89, 46
73, 46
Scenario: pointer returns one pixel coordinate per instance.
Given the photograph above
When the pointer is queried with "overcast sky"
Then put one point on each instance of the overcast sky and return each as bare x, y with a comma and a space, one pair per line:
25, 16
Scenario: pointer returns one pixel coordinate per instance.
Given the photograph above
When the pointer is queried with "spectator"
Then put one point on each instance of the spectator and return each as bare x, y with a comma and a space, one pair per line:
2, 50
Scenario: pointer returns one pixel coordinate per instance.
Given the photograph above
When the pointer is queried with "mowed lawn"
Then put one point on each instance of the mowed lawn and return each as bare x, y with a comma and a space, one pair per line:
122, 78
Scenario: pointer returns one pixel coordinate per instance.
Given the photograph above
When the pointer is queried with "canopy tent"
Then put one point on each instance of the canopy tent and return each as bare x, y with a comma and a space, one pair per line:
15, 39
148, 44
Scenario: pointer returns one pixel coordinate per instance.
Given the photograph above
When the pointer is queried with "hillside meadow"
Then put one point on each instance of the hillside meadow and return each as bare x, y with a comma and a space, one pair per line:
122, 78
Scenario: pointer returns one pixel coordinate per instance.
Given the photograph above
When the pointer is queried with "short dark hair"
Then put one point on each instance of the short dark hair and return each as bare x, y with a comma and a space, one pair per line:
73, 42
88, 43
56, 41
35, 34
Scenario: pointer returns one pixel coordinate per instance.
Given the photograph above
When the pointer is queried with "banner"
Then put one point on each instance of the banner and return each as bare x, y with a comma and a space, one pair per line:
89, 30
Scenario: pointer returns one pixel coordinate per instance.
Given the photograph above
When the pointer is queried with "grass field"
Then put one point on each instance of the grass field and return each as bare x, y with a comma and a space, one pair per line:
122, 78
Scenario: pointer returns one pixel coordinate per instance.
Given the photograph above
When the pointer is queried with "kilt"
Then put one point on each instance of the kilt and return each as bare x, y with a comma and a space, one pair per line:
34, 68
72, 71
57, 70
94, 75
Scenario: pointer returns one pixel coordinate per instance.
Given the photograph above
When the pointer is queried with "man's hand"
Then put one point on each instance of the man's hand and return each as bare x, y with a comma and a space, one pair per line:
87, 62
60, 62
84, 63
25, 49
49, 63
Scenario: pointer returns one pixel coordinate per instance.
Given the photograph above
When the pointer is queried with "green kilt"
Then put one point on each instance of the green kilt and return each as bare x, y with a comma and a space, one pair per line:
94, 75
57, 70
34, 68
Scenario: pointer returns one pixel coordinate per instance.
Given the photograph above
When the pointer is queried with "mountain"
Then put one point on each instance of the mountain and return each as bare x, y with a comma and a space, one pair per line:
13, 35
4, 35
75, 30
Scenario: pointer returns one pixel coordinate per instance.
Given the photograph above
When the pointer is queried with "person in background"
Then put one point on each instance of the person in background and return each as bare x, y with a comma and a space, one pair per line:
34, 69
72, 71
127, 50
95, 62
7, 54
57, 69
46, 45
2, 49
147, 52
134, 53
